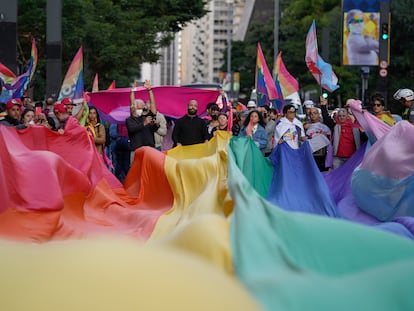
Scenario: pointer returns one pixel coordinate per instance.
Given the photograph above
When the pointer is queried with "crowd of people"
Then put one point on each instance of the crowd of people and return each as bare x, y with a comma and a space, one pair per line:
333, 137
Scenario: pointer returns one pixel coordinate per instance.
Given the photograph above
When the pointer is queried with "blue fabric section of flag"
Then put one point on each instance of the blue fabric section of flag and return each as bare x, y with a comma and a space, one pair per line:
79, 86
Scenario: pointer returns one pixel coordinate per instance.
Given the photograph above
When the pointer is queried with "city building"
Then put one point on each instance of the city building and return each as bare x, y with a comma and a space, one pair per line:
198, 52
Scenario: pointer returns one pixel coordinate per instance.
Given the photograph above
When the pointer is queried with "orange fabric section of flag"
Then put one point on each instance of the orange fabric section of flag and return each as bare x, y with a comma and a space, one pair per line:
112, 85
56, 187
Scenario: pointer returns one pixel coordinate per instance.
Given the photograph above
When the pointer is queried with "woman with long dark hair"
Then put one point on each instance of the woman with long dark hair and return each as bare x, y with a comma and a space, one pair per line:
254, 127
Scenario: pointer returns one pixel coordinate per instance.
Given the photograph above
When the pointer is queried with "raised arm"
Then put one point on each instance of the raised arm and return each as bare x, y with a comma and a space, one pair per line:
325, 114
153, 106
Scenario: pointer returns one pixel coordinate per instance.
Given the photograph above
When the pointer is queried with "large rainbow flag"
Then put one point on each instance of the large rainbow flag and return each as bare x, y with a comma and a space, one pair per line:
203, 227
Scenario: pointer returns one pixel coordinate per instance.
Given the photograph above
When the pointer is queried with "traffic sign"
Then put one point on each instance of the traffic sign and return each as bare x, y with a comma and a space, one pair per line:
383, 72
383, 64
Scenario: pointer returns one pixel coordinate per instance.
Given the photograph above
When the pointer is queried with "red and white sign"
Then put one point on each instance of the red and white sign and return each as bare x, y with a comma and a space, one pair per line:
383, 64
383, 73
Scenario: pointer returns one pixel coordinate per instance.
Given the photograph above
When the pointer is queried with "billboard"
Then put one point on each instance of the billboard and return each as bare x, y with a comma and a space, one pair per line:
361, 29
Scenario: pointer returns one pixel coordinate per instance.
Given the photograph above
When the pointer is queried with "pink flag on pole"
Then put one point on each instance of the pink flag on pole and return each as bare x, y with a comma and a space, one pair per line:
171, 101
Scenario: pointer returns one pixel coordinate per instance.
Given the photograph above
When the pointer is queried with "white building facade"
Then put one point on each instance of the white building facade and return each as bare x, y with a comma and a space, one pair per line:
198, 53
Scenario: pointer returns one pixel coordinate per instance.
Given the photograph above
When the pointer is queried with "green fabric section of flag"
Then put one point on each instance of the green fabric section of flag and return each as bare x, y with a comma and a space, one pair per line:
297, 261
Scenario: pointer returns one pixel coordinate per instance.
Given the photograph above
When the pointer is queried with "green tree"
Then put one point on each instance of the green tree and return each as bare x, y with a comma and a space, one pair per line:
117, 35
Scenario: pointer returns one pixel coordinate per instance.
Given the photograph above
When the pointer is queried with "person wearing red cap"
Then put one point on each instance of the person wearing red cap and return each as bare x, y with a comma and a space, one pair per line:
13, 109
78, 113
62, 115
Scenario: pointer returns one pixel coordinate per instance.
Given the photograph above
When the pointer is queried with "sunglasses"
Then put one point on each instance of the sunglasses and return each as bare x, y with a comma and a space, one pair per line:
377, 105
357, 21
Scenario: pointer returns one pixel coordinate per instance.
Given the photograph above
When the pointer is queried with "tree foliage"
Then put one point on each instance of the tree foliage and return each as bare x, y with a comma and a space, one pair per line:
117, 35
296, 18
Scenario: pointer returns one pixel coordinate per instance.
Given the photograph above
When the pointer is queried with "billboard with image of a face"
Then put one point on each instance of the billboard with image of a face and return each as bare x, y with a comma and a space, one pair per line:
361, 20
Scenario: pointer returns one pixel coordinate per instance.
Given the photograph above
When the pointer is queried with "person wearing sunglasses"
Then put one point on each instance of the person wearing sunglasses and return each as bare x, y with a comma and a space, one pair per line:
362, 49
290, 129
378, 106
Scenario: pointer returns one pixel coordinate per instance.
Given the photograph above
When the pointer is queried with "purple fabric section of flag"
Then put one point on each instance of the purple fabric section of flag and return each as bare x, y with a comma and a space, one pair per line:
171, 101
374, 127
320, 70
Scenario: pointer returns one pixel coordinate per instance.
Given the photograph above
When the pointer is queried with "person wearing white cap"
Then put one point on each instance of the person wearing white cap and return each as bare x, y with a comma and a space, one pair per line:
406, 98
251, 105
307, 105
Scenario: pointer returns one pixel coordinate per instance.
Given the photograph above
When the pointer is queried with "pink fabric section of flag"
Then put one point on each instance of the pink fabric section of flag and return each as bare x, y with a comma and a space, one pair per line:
288, 83
264, 81
320, 70
171, 100
95, 86
72, 76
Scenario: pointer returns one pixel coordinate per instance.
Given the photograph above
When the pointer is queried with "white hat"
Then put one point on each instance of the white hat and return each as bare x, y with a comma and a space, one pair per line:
251, 104
308, 104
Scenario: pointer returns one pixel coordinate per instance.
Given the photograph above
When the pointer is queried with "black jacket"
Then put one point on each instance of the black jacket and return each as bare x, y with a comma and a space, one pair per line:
140, 135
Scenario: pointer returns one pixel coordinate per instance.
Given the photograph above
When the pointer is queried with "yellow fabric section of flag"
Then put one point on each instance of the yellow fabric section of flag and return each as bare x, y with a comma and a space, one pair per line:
113, 274
198, 178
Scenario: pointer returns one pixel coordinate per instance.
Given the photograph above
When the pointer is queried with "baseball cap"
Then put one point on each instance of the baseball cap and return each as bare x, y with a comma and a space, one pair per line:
308, 104
251, 104
66, 101
59, 108
12, 102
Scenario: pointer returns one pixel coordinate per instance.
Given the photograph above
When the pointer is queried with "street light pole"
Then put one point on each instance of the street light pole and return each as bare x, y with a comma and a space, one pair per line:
276, 30
229, 39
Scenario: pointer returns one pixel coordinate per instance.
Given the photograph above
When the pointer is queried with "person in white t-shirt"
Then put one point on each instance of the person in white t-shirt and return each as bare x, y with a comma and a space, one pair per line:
290, 129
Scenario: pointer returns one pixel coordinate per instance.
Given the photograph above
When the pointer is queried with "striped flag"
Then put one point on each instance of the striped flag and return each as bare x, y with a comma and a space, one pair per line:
320, 70
15, 87
287, 82
70, 84
265, 86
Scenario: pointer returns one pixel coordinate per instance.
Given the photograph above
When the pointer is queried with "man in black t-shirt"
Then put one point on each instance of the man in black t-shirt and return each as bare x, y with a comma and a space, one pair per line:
141, 125
190, 129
